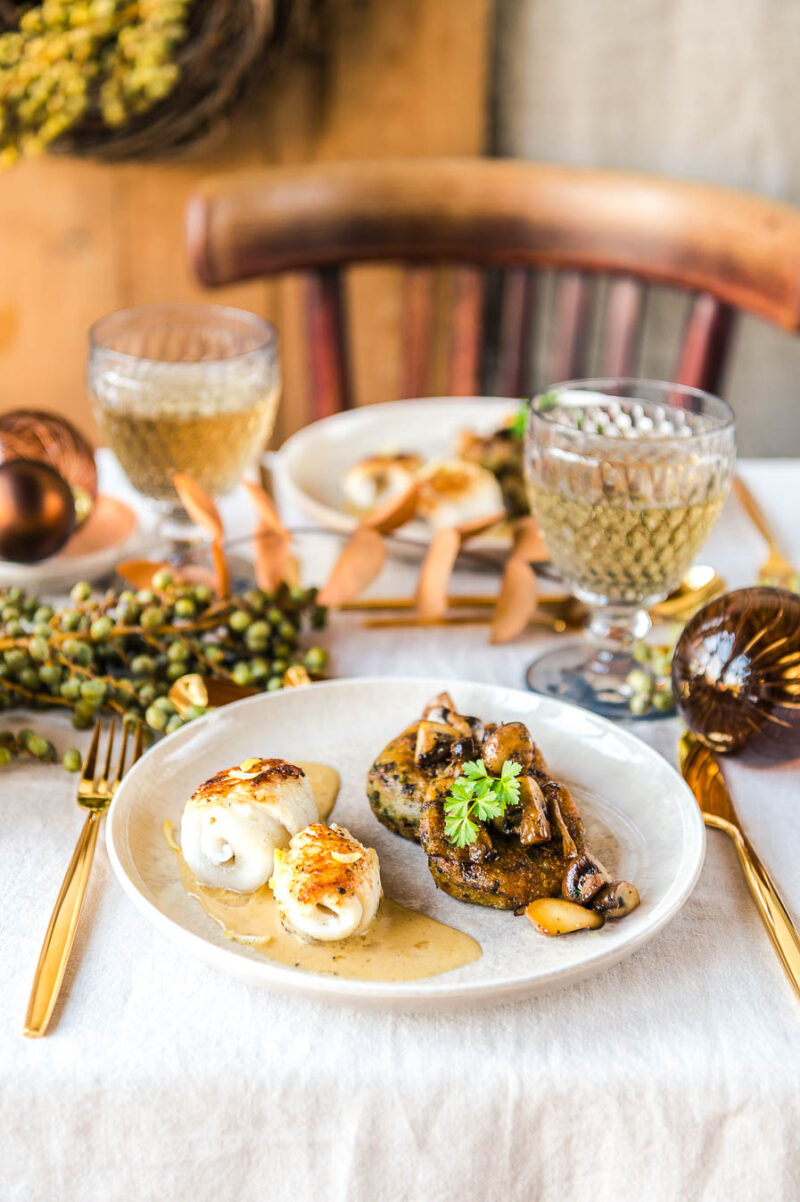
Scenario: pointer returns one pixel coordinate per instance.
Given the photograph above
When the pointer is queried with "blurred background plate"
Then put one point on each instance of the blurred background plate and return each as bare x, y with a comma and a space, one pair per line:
310, 466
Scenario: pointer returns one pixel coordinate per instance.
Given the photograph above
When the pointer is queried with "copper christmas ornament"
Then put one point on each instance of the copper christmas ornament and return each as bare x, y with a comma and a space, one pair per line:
37, 511
36, 434
736, 674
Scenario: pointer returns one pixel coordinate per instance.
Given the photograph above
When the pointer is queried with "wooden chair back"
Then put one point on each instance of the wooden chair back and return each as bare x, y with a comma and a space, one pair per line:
526, 243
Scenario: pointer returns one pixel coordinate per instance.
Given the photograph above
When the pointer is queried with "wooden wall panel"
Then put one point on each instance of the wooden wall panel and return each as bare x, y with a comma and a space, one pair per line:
79, 239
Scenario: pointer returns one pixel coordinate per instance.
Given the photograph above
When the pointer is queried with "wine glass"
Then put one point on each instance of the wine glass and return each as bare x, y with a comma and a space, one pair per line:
184, 388
626, 478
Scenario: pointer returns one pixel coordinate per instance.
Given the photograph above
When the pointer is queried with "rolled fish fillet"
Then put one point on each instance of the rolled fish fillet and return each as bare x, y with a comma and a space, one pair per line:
454, 491
233, 823
379, 479
327, 884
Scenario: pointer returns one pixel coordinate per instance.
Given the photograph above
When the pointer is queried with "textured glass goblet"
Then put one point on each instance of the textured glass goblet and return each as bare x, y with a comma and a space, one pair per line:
626, 478
184, 388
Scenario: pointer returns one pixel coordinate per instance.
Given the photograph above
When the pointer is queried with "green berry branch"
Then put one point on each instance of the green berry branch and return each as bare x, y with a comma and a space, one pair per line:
122, 651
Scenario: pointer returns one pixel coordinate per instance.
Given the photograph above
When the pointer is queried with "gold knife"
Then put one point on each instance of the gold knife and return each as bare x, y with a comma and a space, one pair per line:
703, 775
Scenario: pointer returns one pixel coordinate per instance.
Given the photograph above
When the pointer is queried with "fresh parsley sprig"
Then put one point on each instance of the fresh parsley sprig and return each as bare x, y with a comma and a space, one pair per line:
519, 422
477, 795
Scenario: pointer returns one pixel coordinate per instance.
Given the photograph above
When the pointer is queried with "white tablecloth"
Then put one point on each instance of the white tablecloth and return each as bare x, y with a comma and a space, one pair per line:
674, 1075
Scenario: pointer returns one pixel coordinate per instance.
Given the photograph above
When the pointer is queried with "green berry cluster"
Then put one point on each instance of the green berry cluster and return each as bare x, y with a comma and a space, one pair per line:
122, 651
27, 742
68, 57
651, 683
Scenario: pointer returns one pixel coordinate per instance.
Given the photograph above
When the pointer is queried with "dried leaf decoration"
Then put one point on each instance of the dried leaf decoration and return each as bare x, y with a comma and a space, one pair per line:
357, 566
395, 513
528, 542
480, 525
202, 510
265, 508
271, 558
516, 604
139, 573
271, 542
434, 576
198, 504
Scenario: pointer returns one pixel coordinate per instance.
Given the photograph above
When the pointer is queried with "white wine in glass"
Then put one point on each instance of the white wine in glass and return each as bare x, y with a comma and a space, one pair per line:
626, 479
184, 388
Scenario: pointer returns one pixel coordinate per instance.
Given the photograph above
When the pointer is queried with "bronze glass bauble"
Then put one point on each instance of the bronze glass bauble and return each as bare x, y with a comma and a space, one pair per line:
37, 511
736, 674
36, 434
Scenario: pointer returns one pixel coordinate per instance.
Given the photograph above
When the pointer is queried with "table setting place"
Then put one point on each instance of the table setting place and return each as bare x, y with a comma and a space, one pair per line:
434, 773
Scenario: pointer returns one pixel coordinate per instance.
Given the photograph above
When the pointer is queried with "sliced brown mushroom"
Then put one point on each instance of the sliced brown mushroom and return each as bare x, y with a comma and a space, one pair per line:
482, 848
511, 741
477, 728
463, 749
554, 916
441, 702
617, 899
583, 879
534, 826
434, 741
568, 848
458, 722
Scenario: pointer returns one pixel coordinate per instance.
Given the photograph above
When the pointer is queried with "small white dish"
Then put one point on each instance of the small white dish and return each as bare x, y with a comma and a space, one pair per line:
311, 465
112, 532
641, 820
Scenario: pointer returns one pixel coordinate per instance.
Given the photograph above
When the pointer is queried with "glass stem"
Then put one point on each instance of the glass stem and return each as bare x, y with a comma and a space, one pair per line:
611, 631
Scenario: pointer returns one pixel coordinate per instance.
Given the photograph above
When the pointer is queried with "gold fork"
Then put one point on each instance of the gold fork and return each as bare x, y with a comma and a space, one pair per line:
94, 794
776, 566
703, 775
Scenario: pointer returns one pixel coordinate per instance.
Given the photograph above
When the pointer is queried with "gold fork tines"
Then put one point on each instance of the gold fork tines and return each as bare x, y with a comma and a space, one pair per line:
702, 773
94, 794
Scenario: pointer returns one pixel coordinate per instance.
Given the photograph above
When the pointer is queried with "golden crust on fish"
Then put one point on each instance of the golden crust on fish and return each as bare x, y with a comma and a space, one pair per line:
234, 821
326, 884
256, 772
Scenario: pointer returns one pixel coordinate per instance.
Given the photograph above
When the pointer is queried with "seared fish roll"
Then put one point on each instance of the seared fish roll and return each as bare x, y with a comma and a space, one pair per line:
234, 822
327, 884
455, 491
379, 479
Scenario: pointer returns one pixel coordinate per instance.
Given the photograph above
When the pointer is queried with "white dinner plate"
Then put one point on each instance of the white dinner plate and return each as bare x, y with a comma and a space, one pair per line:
642, 822
312, 463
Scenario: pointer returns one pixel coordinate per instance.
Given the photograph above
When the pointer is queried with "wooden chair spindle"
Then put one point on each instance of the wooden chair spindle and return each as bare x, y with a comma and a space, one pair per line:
466, 323
705, 343
516, 320
327, 343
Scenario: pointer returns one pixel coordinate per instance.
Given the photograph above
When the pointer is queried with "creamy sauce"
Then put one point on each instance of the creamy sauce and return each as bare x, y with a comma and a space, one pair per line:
401, 945
325, 782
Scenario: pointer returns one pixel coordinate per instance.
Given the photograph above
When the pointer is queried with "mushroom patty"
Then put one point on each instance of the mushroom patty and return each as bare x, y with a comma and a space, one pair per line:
535, 849
396, 785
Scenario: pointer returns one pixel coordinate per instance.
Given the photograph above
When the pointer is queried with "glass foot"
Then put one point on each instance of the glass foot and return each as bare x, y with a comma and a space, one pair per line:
596, 680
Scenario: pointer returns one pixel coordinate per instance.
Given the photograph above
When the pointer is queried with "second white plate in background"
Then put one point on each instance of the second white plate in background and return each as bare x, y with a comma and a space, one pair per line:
310, 466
